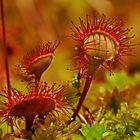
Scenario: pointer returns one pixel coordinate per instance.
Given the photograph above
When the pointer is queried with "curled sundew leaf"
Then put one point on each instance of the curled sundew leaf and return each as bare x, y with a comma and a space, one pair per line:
101, 41
39, 59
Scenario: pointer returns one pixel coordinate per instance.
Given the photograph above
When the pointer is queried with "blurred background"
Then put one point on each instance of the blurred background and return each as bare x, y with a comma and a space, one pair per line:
30, 23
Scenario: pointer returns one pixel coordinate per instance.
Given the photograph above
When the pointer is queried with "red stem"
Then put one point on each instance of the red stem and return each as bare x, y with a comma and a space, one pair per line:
92, 67
83, 95
5, 48
29, 122
5, 54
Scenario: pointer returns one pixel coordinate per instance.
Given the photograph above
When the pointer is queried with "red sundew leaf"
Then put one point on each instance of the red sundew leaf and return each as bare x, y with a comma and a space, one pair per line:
101, 38
48, 99
39, 59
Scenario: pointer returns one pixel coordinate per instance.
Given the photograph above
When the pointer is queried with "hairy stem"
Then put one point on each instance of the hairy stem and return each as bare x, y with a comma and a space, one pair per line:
5, 47
37, 80
83, 95
92, 67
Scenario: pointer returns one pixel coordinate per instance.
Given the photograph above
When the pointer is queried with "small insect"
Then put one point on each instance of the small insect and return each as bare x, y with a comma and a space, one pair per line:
76, 80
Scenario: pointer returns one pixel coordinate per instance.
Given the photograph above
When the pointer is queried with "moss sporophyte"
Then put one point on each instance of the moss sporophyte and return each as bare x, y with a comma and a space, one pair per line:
100, 41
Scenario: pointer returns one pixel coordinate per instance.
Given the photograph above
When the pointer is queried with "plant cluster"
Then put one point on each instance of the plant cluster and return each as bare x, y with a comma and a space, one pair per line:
45, 112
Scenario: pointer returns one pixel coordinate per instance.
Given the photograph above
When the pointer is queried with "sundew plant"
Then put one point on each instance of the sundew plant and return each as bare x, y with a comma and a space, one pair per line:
99, 101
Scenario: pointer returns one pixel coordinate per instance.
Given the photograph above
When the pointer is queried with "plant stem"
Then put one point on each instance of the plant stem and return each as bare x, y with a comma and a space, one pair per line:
83, 95
29, 122
92, 67
5, 48
37, 80
5, 54
36, 85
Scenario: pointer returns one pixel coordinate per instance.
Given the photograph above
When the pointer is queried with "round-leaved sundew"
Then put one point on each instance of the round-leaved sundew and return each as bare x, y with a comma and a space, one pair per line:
39, 59
100, 41
48, 100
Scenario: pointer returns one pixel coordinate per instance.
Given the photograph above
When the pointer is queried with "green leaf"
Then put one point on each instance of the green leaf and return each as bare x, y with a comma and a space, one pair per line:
77, 137
86, 131
137, 134
97, 130
94, 131
109, 135
136, 138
